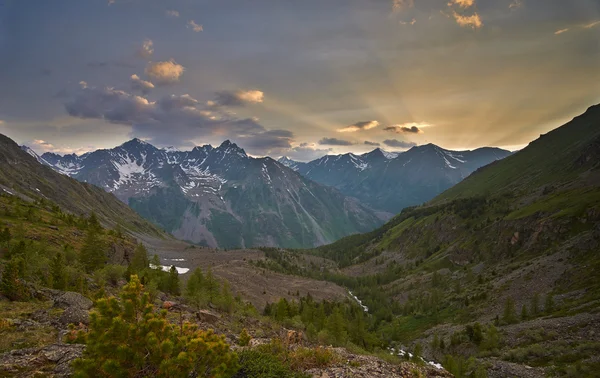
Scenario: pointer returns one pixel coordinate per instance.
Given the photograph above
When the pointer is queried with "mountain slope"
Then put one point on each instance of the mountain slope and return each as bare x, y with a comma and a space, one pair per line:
221, 196
391, 181
22, 174
515, 231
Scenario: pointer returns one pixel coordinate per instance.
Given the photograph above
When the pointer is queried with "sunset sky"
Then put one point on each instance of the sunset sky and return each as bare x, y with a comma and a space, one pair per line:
299, 78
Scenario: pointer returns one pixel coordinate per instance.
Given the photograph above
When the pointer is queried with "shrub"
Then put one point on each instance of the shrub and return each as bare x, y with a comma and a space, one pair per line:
310, 358
244, 338
259, 363
128, 338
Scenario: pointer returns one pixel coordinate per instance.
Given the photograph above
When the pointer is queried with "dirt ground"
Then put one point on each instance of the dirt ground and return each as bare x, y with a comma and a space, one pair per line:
256, 285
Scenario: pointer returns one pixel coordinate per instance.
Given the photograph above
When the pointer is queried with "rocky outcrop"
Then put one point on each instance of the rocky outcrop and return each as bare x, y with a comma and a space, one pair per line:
72, 299
50, 361
359, 366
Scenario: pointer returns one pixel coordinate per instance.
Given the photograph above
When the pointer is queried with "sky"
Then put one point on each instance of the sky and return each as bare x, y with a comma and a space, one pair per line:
297, 78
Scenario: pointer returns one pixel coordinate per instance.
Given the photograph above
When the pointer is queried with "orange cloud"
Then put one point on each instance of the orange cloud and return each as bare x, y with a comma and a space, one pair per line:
462, 3
473, 21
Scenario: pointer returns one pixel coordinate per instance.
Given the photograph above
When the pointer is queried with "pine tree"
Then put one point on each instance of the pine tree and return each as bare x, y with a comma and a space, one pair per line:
140, 260
244, 338
173, 285
128, 338
549, 304
93, 223
11, 285
336, 326
92, 253
417, 352
58, 273
226, 300
524, 312
491, 340
510, 313
535, 304
212, 286
5, 237
195, 293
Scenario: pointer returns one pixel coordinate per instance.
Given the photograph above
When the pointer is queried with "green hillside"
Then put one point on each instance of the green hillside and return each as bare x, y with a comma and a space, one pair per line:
516, 245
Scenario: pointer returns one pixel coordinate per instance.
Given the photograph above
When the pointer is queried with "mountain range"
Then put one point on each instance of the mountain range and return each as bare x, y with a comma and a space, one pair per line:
515, 244
21, 175
392, 181
220, 196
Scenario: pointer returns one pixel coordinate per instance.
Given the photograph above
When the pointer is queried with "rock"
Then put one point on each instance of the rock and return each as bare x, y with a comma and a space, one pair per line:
72, 299
207, 316
55, 359
74, 315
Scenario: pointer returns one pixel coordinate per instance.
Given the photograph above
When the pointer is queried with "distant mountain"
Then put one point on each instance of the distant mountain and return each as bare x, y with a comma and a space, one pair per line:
220, 196
517, 230
393, 181
24, 173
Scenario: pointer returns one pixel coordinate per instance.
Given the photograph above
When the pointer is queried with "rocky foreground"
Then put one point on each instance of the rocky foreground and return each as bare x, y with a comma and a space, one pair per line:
34, 332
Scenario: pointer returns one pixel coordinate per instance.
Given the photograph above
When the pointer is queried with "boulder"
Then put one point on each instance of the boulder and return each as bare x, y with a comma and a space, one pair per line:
57, 357
207, 317
72, 299
75, 315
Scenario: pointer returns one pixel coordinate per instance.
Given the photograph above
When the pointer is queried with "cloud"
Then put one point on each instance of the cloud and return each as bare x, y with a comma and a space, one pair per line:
172, 120
167, 72
516, 4
335, 142
591, 25
172, 13
42, 146
194, 26
398, 143
462, 3
412, 22
267, 142
473, 21
237, 98
375, 144
400, 5
410, 127
146, 50
359, 126
306, 152
140, 85
561, 31
109, 104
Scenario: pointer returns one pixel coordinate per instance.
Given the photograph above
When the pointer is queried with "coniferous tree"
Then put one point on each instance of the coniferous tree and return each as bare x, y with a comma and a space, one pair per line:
535, 304
417, 352
11, 285
524, 312
58, 272
140, 260
212, 286
5, 237
93, 223
549, 303
195, 292
92, 253
510, 313
128, 338
227, 302
336, 326
173, 285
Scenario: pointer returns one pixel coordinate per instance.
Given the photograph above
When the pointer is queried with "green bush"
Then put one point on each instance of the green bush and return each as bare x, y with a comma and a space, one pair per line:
128, 338
257, 363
